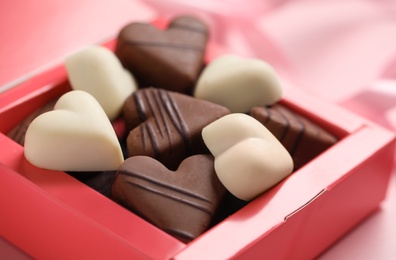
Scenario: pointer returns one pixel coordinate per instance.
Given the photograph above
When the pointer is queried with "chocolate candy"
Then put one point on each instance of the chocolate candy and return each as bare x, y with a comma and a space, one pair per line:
75, 136
170, 59
182, 203
301, 137
98, 71
238, 83
248, 158
167, 125
166, 128
19, 131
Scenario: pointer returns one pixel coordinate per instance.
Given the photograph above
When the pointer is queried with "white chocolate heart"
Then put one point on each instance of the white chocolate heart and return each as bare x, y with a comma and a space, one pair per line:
238, 83
75, 136
248, 158
99, 72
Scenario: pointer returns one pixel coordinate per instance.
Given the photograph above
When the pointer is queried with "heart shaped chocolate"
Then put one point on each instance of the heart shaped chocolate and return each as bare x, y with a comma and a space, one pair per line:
98, 71
171, 59
238, 83
167, 125
75, 136
182, 203
248, 158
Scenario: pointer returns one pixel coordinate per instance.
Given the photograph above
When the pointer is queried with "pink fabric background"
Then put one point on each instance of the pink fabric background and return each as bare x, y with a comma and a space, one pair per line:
342, 51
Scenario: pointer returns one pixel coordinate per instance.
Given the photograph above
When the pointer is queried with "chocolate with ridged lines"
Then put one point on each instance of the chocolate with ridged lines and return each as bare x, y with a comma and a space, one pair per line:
182, 203
167, 125
302, 138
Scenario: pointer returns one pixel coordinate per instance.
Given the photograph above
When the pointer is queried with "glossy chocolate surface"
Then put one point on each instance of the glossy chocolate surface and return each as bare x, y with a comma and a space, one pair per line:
182, 203
167, 125
170, 59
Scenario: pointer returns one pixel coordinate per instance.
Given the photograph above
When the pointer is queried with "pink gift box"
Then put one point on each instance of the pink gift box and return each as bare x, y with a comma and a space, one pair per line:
48, 214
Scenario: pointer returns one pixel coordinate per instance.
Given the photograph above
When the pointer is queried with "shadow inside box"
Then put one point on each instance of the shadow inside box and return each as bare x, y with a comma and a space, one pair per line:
232, 205
99, 181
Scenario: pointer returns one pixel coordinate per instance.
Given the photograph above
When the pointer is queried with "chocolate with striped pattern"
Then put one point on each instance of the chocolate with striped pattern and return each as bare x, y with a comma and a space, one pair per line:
167, 125
302, 138
182, 203
170, 59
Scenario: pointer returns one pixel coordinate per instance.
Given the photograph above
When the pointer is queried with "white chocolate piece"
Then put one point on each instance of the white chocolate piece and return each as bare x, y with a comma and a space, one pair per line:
238, 83
99, 72
248, 158
75, 136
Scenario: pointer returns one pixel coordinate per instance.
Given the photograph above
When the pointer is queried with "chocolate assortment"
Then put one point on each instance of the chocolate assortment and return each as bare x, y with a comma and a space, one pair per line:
197, 136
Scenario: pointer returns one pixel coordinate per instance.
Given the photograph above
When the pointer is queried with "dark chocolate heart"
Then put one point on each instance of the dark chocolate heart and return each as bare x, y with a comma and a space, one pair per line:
182, 203
167, 125
171, 59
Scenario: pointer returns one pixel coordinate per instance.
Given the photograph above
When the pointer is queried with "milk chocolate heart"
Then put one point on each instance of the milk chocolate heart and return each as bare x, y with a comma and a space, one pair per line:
171, 59
238, 83
167, 125
182, 203
248, 158
75, 136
